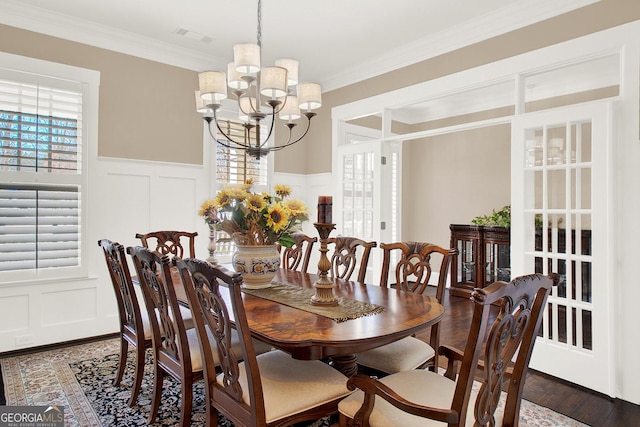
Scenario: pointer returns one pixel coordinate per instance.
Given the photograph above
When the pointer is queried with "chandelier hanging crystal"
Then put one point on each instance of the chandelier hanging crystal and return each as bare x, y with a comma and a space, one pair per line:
261, 92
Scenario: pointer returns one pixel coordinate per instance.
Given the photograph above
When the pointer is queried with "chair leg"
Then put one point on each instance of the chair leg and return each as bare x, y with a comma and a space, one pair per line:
122, 362
187, 402
157, 394
212, 415
138, 373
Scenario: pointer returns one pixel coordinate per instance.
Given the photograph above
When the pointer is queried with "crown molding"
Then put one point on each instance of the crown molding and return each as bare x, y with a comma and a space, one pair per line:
86, 32
517, 15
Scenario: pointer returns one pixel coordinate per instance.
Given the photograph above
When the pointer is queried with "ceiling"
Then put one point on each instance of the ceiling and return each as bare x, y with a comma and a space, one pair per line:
337, 42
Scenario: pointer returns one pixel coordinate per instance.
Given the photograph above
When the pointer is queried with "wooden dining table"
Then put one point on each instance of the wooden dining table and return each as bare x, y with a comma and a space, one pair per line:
309, 336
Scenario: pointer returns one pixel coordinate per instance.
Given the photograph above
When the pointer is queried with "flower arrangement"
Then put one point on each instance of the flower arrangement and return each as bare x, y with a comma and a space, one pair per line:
255, 218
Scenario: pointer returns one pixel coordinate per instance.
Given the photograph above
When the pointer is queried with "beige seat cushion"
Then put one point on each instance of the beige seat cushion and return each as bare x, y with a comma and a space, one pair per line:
187, 317
148, 333
419, 386
291, 386
185, 311
196, 354
403, 355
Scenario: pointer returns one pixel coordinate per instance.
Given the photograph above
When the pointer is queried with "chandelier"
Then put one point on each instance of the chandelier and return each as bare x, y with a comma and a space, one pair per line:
261, 92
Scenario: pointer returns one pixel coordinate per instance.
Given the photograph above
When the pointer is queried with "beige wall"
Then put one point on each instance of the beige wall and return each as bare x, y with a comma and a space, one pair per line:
146, 108
475, 181
598, 16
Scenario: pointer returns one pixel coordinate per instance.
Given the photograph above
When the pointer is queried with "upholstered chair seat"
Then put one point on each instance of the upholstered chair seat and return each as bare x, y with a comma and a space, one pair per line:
404, 355
421, 387
292, 386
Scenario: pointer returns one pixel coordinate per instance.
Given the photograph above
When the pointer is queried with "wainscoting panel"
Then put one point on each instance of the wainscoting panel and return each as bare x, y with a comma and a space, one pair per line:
126, 207
68, 306
14, 313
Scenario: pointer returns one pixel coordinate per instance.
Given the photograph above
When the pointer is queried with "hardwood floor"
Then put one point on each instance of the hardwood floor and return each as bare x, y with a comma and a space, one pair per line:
584, 405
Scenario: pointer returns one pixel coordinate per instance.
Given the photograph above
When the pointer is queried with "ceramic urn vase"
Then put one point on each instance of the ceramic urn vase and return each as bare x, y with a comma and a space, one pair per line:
257, 264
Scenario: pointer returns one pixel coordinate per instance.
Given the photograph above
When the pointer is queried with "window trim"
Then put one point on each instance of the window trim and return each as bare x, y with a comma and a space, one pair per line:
31, 70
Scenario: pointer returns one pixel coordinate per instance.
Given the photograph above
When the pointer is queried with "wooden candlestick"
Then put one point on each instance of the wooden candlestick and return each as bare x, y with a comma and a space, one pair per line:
324, 286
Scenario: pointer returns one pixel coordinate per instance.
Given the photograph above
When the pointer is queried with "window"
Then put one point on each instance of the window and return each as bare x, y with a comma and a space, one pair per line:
41, 174
235, 166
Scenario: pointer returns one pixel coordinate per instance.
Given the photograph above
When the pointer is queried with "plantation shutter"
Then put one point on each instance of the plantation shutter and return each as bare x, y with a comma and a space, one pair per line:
40, 226
40, 167
235, 166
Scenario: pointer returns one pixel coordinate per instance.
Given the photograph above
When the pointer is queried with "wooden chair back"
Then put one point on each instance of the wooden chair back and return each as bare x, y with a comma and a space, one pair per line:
497, 351
202, 282
297, 256
416, 263
129, 312
128, 304
511, 334
169, 242
349, 253
170, 342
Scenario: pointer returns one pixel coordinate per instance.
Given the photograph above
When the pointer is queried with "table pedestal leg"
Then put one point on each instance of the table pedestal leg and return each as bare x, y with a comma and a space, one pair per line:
345, 364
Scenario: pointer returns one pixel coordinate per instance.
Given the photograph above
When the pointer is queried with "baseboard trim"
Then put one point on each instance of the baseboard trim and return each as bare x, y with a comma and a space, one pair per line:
53, 346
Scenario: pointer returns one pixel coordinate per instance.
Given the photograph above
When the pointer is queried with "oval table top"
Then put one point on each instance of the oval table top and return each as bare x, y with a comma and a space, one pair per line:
310, 336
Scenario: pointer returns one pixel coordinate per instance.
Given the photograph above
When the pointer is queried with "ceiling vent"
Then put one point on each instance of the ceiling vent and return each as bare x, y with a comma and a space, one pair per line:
192, 35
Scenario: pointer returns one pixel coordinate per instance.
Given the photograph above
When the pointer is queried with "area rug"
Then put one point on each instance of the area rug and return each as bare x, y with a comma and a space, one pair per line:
81, 379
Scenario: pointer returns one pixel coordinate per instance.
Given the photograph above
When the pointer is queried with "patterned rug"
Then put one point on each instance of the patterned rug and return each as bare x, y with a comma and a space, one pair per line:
80, 378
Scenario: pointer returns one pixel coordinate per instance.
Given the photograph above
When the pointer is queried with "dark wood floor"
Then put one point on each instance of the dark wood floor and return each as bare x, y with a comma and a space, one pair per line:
584, 405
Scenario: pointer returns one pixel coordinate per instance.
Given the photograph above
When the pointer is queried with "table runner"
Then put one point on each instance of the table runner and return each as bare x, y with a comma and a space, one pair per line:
300, 298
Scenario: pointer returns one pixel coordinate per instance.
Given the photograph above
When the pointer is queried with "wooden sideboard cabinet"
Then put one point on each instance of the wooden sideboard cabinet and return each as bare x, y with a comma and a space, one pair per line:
483, 257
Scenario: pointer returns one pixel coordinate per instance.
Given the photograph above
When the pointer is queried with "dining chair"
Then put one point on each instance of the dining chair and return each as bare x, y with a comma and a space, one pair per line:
169, 242
426, 398
415, 265
297, 256
270, 389
174, 346
348, 254
135, 330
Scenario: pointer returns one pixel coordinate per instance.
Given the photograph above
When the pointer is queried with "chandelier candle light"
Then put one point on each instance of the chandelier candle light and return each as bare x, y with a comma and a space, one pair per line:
261, 92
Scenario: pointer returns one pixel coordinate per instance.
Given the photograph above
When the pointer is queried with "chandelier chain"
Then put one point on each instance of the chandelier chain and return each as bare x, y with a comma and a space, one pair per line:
260, 23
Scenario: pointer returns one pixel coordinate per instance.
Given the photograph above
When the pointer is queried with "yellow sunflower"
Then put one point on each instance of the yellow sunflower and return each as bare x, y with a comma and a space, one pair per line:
296, 207
237, 192
256, 203
208, 207
223, 198
247, 184
282, 190
277, 217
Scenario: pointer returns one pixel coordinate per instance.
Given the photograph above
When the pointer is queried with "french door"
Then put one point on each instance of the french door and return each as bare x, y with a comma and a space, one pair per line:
359, 191
561, 195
